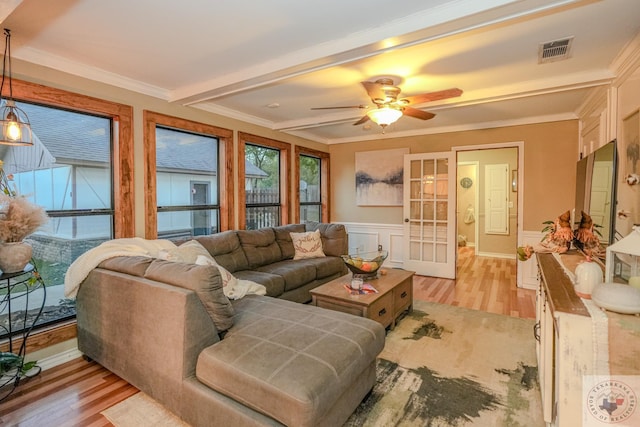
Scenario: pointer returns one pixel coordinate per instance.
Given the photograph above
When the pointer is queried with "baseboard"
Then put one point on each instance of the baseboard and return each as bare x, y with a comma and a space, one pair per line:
59, 359
497, 255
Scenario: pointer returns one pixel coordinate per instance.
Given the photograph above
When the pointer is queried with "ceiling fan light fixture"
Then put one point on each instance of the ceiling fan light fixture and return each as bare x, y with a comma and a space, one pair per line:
384, 116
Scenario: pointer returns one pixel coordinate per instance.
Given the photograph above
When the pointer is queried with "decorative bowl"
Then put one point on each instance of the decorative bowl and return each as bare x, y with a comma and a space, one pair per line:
365, 265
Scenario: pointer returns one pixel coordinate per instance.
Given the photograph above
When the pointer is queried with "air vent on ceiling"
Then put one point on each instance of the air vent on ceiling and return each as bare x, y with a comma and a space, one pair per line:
555, 50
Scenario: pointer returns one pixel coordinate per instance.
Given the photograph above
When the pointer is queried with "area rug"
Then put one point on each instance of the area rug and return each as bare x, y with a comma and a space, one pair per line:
442, 366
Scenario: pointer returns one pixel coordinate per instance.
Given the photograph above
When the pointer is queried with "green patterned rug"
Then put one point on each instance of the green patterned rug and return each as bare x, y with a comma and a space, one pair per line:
450, 366
442, 366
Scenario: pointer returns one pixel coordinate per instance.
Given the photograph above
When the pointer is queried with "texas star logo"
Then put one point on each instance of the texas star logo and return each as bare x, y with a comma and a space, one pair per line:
611, 401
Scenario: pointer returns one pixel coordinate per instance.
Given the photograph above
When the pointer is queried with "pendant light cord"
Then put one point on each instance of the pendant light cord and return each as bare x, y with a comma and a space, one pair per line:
6, 60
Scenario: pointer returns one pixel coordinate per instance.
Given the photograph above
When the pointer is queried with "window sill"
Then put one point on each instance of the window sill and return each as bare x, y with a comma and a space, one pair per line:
46, 337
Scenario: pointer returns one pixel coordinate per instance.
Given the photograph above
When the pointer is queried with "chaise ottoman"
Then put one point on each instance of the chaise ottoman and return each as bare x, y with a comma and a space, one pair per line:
298, 364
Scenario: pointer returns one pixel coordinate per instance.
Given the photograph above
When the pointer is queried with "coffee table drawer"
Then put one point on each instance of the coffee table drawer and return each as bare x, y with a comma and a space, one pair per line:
402, 296
382, 309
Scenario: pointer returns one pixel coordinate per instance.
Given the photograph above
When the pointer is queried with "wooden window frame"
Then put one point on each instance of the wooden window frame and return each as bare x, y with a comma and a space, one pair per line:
285, 175
122, 170
225, 178
324, 181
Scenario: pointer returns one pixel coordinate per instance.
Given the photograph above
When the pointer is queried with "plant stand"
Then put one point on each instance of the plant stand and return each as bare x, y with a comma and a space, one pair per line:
17, 289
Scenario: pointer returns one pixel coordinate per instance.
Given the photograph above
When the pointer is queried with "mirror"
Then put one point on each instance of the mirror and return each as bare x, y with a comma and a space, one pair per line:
596, 189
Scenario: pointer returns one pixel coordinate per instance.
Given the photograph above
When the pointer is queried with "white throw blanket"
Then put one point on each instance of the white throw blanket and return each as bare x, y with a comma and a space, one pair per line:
135, 246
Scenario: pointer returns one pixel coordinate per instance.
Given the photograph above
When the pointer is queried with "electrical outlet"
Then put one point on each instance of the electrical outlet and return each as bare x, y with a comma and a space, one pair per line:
379, 247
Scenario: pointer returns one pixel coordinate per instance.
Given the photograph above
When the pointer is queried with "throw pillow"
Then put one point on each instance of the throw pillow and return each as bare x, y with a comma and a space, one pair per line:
307, 245
228, 279
187, 252
233, 287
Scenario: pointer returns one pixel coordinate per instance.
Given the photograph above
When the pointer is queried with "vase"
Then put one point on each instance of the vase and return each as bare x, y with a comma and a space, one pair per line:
14, 256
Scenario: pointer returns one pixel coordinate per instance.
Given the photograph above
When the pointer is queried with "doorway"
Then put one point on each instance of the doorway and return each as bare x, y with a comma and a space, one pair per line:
473, 195
467, 204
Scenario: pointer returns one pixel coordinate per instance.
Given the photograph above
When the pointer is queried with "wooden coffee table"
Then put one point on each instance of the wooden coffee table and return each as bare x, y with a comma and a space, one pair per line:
395, 295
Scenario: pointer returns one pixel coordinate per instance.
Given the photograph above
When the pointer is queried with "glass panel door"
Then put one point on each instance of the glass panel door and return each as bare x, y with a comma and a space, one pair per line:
429, 215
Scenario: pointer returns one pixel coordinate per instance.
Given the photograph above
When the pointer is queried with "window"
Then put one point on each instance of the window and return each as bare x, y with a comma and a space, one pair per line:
185, 190
69, 171
312, 180
186, 184
71, 179
266, 182
310, 203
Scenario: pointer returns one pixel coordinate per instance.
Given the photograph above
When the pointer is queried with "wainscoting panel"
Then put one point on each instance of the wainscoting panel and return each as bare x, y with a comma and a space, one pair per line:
366, 237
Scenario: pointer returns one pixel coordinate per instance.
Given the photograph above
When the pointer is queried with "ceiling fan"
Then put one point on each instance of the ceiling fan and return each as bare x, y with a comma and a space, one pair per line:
384, 94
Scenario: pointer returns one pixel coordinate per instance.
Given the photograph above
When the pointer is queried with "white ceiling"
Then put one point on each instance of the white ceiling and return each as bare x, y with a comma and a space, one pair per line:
236, 58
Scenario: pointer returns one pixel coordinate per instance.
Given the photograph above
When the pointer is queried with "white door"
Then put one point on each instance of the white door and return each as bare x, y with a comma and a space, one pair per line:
496, 208
429, 214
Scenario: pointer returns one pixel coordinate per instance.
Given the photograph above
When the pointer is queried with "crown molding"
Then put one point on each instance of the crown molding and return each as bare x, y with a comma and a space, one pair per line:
59, 63
233, 114
460, 128
627, 61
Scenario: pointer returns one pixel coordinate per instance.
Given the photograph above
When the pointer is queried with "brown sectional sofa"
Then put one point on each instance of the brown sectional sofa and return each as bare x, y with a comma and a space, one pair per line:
265, 256
153, 323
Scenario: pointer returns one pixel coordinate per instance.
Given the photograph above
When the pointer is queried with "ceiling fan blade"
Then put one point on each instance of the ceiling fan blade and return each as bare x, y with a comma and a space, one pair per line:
362, 107
362, 120
432, 96
418, 114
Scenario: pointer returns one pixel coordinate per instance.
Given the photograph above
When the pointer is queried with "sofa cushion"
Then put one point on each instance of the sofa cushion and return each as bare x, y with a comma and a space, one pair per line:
327, 266
334, 237
307, 245
133, 265
283, 237
294, 273
272, 282
313, 357
204, 280
260, 246
226, 249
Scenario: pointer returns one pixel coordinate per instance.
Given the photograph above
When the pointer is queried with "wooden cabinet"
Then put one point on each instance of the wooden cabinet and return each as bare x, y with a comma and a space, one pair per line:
565, 346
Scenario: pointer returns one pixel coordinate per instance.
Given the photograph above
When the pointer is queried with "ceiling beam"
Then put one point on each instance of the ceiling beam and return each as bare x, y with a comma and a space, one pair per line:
434, 23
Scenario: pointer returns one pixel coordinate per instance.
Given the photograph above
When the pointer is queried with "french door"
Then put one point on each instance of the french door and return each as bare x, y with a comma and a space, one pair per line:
429, 214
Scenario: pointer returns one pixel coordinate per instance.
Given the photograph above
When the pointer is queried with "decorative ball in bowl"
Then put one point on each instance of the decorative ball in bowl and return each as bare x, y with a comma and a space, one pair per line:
365, 265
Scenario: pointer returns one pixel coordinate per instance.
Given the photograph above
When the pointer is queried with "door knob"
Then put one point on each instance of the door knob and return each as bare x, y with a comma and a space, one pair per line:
406, 220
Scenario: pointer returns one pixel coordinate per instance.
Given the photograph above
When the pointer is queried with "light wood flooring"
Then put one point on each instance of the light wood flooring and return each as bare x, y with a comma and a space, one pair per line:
74, 394
487, 284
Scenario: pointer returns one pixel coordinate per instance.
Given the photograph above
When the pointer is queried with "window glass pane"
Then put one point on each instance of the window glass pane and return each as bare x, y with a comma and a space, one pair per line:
262, 216
186, 168
68, 172
186, 176
309, 213
309, 179
178, 225
262, 186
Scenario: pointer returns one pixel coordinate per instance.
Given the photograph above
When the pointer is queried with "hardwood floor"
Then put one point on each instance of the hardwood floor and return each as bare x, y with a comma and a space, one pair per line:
74, 394
487, 284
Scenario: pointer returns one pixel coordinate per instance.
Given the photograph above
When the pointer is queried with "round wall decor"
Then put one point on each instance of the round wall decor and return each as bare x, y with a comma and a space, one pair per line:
466, 182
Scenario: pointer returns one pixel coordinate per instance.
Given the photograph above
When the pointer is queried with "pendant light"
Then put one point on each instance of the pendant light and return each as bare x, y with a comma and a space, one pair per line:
16, 129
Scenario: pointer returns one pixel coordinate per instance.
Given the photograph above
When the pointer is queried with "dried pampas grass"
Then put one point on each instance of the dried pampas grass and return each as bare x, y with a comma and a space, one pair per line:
19, 218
